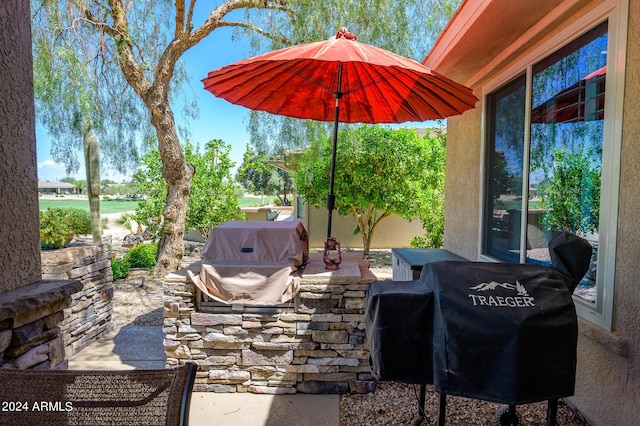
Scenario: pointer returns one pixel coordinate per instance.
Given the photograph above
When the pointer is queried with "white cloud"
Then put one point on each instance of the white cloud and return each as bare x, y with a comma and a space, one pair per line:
50, 163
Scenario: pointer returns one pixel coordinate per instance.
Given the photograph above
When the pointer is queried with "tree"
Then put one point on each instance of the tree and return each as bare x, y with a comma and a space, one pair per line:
431, 200
381, 172
212, 199
571, 197
256, 175
137, 46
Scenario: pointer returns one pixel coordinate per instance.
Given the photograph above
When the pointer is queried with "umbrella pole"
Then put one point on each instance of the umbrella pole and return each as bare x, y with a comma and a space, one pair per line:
331, 198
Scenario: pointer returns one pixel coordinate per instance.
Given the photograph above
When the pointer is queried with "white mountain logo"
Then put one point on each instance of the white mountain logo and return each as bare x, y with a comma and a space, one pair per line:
519, 288
520, 300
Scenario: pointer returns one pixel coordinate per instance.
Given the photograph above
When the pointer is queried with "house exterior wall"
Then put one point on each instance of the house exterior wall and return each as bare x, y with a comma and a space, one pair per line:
608, 368
608, 382
462, 197
19, 223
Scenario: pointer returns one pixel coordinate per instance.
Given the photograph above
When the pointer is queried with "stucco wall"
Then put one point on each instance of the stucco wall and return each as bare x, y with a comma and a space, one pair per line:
20, 248
462, 185
608, 383
393, 232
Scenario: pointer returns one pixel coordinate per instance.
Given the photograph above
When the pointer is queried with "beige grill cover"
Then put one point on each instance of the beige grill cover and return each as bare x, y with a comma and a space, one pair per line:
253, 263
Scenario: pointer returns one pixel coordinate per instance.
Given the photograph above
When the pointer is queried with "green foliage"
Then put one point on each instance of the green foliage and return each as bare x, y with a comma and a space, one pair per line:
142, 255
120, 268
379, 172
571, 197
77, 76
122, 69
58, 226
256, 175
212, 199
80, 221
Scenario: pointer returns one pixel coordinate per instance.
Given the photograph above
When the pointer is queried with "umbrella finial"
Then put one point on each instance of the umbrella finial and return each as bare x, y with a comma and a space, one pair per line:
344, 32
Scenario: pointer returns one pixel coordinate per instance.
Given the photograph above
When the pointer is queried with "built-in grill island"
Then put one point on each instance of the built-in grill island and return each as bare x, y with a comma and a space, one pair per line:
253, 263
498, 332
260, 314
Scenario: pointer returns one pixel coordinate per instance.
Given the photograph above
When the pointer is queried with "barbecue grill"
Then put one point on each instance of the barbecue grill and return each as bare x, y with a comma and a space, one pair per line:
253, 263
505, 333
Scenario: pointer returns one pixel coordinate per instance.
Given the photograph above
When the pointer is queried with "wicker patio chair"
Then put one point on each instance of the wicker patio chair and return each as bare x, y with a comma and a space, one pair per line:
84, 397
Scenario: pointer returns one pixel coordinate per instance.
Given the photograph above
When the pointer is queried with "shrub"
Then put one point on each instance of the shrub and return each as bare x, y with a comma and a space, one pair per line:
120, 268
142, 255
58, 226
80, 221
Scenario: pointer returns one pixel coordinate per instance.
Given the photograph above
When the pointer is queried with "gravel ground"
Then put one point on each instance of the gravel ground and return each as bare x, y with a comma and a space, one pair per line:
138, 301
397, 404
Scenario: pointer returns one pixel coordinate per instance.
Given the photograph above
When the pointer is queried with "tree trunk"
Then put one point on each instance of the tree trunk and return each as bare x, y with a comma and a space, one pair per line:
367, 222
92, 168
178, 175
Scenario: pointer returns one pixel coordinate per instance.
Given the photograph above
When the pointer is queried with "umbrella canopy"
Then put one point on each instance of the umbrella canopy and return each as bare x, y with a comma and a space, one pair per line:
340, 80
582, 101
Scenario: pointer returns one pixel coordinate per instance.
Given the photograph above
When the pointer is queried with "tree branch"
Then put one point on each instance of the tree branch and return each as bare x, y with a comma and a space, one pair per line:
258, 30
132, 70
216, 17
180, 24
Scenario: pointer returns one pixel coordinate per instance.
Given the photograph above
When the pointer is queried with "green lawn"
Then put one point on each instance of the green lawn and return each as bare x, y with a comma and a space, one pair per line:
123, 205
253, 201
106, 206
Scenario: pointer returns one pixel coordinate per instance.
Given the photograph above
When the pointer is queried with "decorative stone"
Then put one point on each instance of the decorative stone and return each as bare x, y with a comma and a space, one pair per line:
315, 353
313, 368
34, 356
334, 361
181, 352
250, 357
35, 296
335, 336
229, 376
5, 339
326, 318
56, 351
199, 318
317, 306
322, 387
271, 390
26, 333
218, 360
354, 303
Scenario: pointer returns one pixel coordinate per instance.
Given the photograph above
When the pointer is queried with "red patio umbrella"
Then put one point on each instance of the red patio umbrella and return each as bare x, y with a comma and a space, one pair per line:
582, 101
340, 80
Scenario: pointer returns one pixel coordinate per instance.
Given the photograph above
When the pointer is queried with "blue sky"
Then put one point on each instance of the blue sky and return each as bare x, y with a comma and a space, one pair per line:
218, 119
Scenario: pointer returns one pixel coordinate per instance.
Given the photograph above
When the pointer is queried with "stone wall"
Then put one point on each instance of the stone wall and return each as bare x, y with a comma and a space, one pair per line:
89, 315
30, 331
315, 345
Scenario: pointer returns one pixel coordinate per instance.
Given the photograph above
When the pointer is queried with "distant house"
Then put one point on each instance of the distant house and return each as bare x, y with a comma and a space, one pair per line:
57, 188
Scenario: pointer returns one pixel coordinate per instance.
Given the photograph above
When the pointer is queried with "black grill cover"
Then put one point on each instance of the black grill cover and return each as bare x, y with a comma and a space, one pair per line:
494, 331
398, 323
502, 332
399, 318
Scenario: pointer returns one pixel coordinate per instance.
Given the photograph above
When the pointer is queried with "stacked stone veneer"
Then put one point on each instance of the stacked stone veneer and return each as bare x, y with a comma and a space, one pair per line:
317, 347
30, 333
89, 315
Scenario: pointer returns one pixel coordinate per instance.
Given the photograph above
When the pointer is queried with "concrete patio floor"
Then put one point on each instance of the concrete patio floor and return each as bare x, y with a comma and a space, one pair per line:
132, 347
